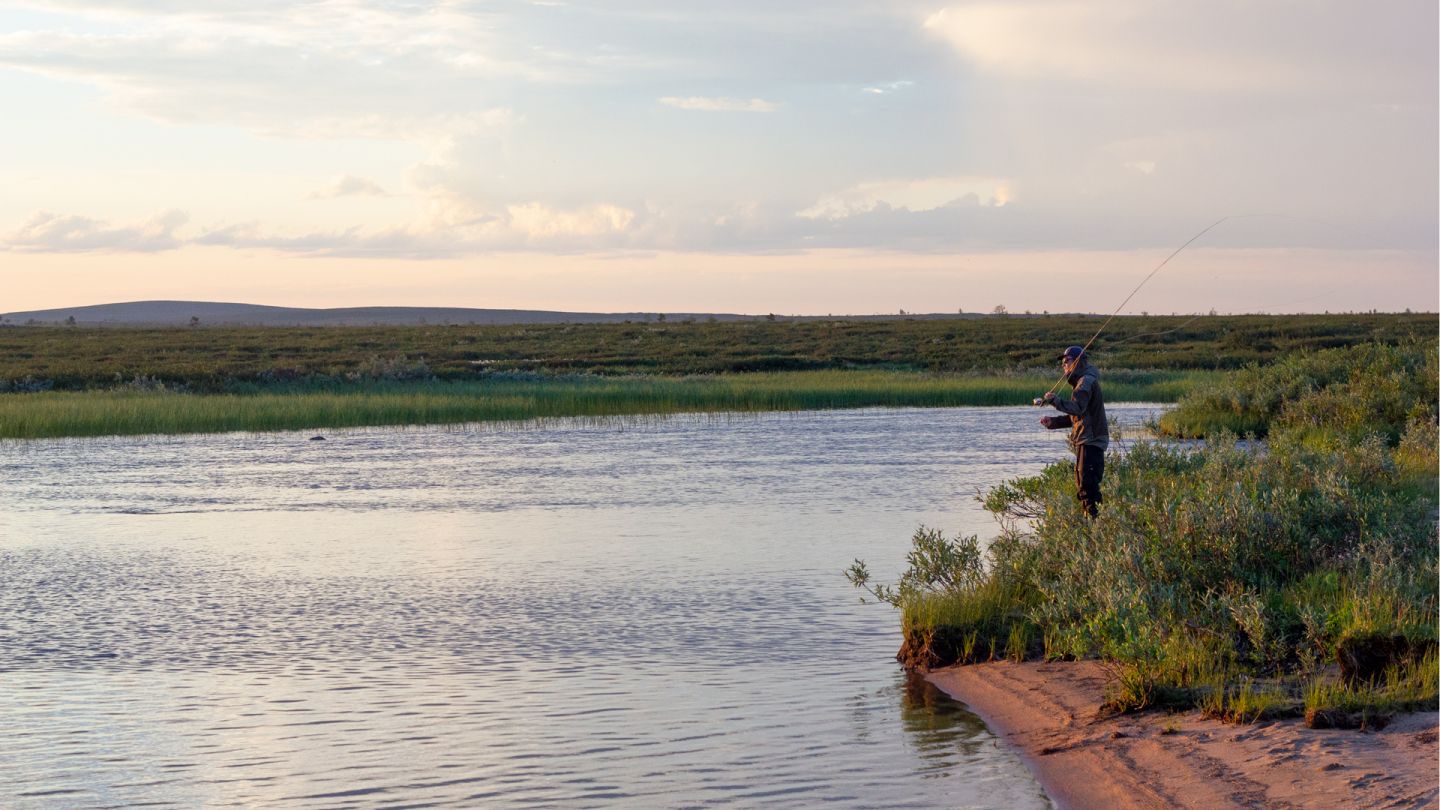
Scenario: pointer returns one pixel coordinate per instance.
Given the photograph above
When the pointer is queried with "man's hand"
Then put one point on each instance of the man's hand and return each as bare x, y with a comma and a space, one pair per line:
1049, 397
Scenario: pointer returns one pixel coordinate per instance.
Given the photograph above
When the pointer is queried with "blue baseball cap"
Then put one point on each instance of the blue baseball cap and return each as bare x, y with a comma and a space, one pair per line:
1072, 353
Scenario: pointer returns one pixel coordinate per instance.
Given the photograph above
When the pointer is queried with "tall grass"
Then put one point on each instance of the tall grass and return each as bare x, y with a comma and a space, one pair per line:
1228, 577
114, 412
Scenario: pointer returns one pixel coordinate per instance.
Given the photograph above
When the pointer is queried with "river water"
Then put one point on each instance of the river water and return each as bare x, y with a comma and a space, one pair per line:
636, 613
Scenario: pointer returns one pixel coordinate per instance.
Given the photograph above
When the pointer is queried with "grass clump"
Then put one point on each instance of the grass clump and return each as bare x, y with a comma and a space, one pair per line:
952, 610
1407, 685
1248, 701
1250, 582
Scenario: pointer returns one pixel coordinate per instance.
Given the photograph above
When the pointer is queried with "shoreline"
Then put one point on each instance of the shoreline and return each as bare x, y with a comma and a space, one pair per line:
1047, 712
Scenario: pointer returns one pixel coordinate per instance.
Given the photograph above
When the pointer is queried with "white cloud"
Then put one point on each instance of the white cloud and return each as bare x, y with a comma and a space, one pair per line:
461, 229
1219, 46
1109, 41
266, 84
717, 104
1121, 122
889, 87
911, 195
536, 220
328, 70
348, 185
58, 233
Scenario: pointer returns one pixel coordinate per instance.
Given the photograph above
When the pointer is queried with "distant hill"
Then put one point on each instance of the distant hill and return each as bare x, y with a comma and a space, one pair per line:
209, 313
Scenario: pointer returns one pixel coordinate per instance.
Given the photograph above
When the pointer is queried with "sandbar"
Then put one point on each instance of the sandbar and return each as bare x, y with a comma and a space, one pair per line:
1049, 713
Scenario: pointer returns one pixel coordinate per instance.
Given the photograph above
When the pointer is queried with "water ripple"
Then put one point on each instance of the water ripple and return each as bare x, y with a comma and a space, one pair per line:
576, 614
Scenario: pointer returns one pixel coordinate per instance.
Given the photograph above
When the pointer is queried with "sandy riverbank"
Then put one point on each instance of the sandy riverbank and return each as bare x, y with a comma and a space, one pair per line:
1048, 711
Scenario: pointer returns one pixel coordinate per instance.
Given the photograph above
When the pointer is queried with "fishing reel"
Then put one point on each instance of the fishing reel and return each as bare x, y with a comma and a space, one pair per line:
1038, 401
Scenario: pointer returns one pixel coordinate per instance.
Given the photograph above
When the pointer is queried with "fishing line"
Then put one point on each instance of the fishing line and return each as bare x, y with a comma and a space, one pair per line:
1259, 310
1142, 283
1159, 267
1156, 334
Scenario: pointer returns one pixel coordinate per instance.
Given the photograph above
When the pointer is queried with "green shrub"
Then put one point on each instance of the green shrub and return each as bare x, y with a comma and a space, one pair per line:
1345, 393
1229, 575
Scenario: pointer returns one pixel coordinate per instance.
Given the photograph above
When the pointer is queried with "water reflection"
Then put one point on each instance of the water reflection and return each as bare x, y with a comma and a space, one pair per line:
940, 728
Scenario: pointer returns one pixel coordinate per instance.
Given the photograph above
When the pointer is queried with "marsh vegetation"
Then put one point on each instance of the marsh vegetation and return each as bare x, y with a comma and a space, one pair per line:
60, 381
150, 408
225, 359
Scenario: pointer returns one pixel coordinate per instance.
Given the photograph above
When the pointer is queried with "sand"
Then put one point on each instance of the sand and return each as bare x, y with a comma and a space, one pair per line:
1049, 713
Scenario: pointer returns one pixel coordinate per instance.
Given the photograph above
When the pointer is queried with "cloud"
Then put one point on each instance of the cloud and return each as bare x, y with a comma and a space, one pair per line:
714, 104
1110, 41
517, 227
1222, 46
56, 233
1129, 122
1062, 123
459, 230
888, 87
910, 195
387, 243
536, 220
327, 88
348, 185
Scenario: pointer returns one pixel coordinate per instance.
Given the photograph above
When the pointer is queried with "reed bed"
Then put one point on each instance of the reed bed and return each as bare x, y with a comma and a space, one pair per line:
53, 414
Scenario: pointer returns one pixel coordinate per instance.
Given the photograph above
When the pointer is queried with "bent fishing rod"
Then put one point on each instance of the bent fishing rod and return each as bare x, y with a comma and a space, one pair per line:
1041, 399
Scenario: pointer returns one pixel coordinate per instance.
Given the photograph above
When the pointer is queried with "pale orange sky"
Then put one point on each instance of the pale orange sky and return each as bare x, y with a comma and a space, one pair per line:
817, 282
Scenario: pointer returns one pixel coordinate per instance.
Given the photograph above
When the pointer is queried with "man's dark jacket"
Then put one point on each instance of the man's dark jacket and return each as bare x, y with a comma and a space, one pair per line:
1085, 411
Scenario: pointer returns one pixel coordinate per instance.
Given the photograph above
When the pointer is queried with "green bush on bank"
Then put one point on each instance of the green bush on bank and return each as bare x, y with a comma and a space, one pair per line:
1298, 577
1345, 393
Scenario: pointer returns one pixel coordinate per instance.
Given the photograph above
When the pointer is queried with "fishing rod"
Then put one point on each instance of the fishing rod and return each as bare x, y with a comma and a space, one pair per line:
1041, 399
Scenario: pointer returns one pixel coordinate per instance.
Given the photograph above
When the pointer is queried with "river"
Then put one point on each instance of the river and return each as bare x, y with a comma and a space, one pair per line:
629, 613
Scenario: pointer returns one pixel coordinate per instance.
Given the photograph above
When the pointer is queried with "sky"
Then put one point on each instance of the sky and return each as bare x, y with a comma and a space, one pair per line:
803, 157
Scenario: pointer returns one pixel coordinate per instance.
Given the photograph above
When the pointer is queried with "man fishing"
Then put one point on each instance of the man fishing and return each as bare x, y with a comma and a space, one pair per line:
1084, 414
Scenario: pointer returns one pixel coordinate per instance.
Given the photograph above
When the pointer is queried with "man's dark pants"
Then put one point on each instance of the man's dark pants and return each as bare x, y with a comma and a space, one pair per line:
1089, 469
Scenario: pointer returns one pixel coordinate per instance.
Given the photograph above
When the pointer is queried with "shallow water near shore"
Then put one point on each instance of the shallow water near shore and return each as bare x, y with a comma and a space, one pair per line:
616, 612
